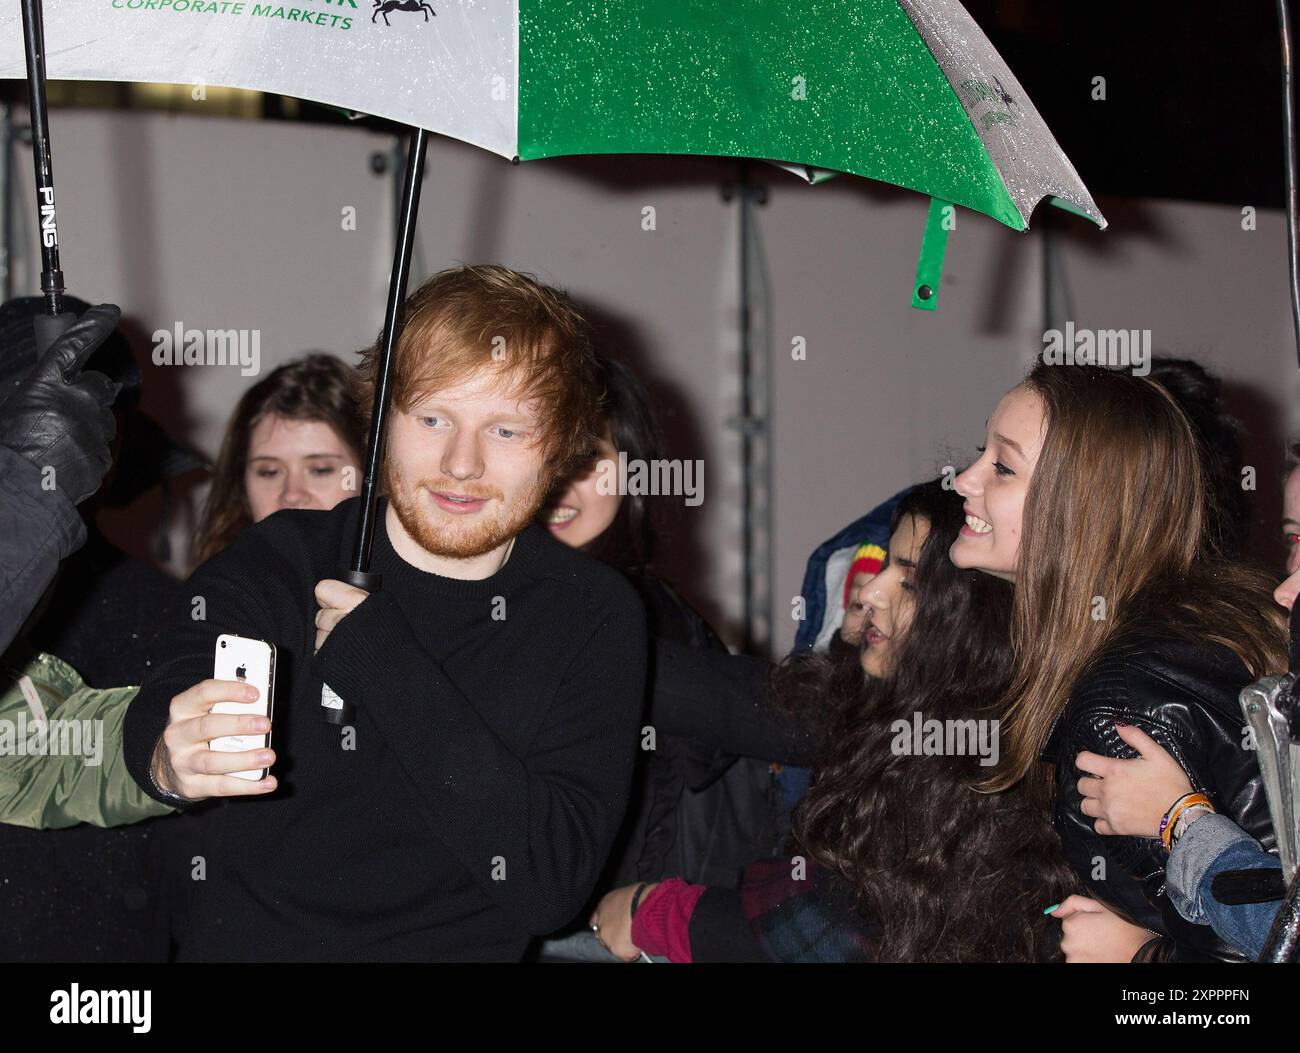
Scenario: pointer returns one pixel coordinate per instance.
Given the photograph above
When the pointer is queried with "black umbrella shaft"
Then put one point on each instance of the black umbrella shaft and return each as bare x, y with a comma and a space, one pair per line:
1289, 148
392, 326
34, 39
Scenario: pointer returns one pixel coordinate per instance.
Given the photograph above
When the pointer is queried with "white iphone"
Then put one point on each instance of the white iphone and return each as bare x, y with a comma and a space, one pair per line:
253, 662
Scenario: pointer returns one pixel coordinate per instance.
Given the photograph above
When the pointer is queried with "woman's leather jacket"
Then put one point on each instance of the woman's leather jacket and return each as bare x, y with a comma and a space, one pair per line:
1185, 695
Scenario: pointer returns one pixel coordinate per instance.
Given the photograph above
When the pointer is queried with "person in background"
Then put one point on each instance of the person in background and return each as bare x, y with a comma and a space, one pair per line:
106, 616
79, 894
1134, 798
834, 577
1199, 394
1118, 617
828, 581
1285, 594
866, 564
1291, 508
898, 857
727, 699
55, 417
695, 809
295, 440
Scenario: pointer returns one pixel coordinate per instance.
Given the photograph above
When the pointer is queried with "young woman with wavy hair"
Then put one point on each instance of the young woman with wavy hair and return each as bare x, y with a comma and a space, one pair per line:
948, 872
288, 444
898, 856
1090, 495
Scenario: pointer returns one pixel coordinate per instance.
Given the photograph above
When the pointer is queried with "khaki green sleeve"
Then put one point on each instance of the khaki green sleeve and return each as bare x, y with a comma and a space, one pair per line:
61, 757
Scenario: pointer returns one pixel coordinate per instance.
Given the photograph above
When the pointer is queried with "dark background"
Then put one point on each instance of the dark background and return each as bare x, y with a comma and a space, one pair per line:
1193, 104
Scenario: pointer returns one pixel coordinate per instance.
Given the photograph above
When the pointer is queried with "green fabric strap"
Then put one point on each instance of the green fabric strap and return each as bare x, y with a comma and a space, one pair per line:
934, 244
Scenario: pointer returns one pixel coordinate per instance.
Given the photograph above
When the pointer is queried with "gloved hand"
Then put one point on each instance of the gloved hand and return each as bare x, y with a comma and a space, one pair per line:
62, 418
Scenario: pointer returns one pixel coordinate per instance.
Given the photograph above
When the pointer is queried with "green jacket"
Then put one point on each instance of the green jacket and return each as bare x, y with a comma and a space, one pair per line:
70, 769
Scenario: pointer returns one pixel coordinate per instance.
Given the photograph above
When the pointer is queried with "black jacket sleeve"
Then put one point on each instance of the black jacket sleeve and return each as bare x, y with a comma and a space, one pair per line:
250, 589
722, 700
38, 529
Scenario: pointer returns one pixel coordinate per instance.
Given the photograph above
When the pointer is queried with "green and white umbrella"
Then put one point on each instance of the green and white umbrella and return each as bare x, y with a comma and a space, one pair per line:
908, 92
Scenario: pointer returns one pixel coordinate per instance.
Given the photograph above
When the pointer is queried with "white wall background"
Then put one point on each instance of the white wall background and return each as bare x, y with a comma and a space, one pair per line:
224, 223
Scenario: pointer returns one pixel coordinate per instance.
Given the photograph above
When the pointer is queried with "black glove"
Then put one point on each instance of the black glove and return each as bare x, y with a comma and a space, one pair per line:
62, 418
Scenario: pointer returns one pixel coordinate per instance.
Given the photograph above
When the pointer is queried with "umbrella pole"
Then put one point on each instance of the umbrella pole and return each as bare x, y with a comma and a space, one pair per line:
1289, 149
392, 323
334, 709
55, 319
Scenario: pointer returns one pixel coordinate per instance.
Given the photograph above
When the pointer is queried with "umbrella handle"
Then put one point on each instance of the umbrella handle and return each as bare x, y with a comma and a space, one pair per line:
366, 580
49, 327
51, 275
333, 708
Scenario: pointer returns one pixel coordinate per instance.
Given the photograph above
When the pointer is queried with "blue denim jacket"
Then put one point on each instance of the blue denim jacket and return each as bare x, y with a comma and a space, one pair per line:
1211, 845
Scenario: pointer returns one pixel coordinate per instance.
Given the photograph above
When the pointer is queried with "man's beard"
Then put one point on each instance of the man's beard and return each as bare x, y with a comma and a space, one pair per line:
457, 540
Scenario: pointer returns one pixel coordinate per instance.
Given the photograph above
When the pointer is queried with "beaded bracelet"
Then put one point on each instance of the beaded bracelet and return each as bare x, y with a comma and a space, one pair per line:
1169, 812
1175, 809
1179, 826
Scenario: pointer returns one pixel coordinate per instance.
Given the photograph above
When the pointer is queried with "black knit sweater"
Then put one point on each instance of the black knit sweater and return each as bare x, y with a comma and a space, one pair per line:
475, 799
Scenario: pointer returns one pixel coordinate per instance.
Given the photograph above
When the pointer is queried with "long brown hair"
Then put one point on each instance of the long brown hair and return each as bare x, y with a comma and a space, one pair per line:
316, 387
1116, 531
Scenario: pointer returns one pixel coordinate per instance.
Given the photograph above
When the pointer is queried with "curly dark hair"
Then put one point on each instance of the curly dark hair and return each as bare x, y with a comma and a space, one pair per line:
946, 872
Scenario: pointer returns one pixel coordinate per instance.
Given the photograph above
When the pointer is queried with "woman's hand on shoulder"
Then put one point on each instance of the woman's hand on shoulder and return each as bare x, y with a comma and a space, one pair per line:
1130, 797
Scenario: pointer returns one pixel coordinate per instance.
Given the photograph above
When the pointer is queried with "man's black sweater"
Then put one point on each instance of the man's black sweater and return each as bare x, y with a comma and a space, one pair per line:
476, 797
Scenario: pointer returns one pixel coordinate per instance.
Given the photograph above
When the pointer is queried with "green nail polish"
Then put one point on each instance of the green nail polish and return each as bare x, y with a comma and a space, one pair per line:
1051, 908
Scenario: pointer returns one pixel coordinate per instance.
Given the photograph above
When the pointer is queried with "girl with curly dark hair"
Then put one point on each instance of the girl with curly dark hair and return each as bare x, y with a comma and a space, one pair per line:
898, 856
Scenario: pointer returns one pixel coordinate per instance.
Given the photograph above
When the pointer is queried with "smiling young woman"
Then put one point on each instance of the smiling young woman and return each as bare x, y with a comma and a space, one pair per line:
1090, 495
897, 857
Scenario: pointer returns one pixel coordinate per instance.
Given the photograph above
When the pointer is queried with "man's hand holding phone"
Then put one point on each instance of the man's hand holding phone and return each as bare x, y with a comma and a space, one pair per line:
185, 764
